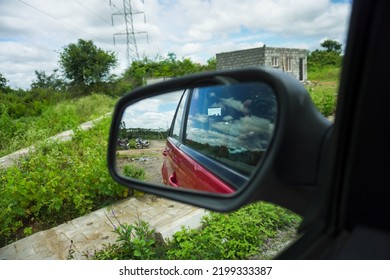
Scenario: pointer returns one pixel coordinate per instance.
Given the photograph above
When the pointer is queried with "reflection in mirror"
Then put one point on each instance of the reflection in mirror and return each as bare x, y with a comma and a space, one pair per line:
208, 138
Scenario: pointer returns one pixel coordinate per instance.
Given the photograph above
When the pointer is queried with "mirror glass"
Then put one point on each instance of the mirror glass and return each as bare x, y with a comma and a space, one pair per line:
206, 138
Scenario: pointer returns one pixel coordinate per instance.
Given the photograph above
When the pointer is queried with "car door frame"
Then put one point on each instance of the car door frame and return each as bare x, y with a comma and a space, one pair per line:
349, 217
217, 177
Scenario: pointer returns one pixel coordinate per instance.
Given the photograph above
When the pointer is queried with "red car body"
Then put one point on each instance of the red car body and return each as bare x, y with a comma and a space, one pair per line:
180, 169
218, 136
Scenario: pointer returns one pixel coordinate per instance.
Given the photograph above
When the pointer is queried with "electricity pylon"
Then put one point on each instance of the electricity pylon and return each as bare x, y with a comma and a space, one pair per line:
128, 13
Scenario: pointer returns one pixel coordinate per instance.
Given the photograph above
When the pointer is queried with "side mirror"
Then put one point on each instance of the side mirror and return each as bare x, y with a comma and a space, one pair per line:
219, 140
206, 138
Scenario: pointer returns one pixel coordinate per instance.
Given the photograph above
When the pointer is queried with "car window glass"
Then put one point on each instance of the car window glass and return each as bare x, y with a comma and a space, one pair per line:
232, 124
179, 118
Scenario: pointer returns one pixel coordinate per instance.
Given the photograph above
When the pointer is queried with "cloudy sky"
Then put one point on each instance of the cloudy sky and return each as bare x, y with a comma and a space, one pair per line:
34, 32
153, 113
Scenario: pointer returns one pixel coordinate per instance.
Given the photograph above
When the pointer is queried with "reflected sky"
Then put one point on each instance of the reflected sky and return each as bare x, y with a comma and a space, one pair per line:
218, 120
153, 113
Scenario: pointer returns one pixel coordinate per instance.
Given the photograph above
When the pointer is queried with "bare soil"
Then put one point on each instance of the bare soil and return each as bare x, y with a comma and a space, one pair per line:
150, 159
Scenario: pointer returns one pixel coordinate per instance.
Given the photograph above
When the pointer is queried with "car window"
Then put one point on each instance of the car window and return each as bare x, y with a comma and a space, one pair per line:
232, 124
177, 123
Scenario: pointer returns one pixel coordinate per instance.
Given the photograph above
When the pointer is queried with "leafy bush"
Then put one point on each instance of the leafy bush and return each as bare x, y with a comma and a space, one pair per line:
32, 103
56, 183
325, 99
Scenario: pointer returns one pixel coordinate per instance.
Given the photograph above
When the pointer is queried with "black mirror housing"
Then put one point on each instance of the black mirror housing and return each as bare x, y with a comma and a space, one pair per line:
289, 171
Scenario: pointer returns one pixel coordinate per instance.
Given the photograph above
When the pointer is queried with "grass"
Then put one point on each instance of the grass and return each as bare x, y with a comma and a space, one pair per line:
23, 132
323, 89
324, 96
327, 74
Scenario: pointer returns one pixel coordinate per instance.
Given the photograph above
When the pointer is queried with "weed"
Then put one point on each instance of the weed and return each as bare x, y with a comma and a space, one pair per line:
237, 235
133, 171
136, 242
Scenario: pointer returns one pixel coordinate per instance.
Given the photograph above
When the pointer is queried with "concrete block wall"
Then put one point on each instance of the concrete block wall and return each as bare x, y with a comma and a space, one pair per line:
240, 59
263, 57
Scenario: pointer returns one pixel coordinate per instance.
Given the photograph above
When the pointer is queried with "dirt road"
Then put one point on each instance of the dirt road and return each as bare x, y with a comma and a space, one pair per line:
150, 159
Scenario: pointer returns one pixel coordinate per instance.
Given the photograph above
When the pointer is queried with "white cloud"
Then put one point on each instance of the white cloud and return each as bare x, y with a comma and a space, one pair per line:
192, 48
31, 31
19, 61
152, 113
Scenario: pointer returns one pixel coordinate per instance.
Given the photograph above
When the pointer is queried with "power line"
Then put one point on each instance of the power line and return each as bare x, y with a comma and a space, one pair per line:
58, 19
112, 5
92, 12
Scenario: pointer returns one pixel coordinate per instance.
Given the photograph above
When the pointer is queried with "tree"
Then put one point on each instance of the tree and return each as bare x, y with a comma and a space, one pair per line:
331, 46
85, 65
211, 64
329, 56
52, 81
140, 70
3, 83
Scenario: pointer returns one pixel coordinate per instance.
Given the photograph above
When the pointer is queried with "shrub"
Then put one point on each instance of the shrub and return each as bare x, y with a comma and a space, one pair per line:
56, 183
324, 98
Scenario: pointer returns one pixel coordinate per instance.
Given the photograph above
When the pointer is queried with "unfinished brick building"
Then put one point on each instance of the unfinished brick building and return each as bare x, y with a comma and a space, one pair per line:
290, 60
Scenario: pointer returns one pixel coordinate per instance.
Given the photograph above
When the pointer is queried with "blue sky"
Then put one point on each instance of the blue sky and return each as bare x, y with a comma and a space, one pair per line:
33, 32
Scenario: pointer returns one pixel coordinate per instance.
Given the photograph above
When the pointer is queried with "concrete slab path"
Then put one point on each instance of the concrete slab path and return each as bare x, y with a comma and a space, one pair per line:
88, 233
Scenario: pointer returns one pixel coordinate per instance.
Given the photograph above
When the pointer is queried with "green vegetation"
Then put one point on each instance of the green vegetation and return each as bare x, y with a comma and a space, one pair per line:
61, 181
144, 69
133, 171
45, 81
3, 83
86, 65
56, 183
324, 96
324, 89
328, 57
324, 68
27, 119
326, 74
220, 238
133, 133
